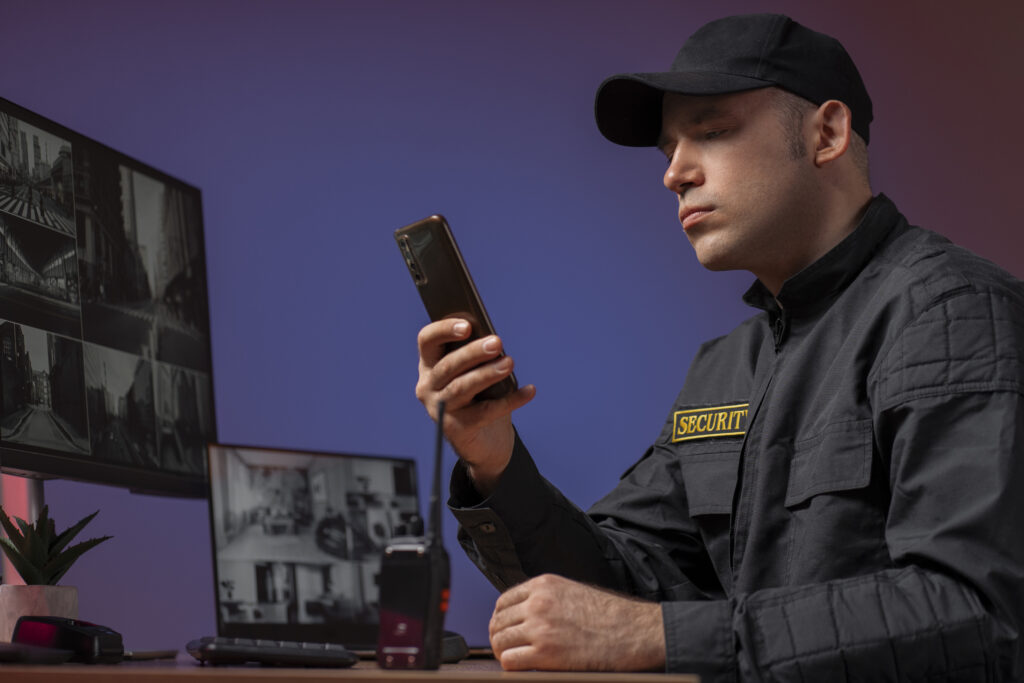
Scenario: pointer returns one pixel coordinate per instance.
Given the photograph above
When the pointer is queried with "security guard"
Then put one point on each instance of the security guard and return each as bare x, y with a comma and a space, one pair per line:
836, 493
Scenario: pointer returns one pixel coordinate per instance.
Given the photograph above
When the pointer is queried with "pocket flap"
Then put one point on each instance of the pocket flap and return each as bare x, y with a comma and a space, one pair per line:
710, 481
838, 459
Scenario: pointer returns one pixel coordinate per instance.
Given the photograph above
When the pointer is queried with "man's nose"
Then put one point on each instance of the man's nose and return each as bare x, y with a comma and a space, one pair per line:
683, 171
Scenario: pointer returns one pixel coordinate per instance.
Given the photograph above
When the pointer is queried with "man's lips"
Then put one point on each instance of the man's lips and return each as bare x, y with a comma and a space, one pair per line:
689, 217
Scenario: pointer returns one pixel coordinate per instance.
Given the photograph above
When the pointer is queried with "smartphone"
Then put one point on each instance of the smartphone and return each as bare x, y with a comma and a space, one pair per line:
444, 283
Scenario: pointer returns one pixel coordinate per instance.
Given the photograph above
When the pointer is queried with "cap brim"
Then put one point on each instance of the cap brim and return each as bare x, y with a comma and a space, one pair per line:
628, 106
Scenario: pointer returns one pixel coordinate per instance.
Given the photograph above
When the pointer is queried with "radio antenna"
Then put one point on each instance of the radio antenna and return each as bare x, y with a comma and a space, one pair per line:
434, 529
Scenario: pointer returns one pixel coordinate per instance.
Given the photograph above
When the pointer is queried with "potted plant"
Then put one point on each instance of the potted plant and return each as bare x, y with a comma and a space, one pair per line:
41, 556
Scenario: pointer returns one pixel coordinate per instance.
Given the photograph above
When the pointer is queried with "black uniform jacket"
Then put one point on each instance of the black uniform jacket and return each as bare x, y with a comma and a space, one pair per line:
838, 491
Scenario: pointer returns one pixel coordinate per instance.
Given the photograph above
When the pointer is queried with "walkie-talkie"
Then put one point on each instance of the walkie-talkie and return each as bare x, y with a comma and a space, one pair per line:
414, 583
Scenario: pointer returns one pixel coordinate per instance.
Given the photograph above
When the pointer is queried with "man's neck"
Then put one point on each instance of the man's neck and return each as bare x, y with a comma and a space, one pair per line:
834, 225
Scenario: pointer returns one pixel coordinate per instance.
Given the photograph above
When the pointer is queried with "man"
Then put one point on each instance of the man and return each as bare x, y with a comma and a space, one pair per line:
836, 492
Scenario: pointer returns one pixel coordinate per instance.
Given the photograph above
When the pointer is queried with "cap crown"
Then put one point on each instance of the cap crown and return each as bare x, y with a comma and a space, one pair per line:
731, 55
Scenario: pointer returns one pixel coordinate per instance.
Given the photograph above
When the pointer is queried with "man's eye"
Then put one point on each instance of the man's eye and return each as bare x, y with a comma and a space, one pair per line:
712, 134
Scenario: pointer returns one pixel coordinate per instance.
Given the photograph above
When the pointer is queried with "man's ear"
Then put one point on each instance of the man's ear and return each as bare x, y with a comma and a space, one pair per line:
832, 132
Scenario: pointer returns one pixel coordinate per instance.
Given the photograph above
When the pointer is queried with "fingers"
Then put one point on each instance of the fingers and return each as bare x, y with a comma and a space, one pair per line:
513, 596
551, 622
456, 377
506, 615
460, 360
520, 658
480, 431
510, 639
511, 631
433, 337
517, 399
465, 372
514, 606
521, 634
483, 412
461, 388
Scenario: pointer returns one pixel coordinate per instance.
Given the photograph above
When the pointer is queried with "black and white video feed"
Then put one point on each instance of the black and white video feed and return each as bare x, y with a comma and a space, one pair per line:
184, 418
39, 277
299, 536
142, 268
43, 394
119, 393
36, 175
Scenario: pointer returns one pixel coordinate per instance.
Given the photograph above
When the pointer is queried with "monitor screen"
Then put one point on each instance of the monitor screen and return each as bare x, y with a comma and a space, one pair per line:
298, 537
105, 372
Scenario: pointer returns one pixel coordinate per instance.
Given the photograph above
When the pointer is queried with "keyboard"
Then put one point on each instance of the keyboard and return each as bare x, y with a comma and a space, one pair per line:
223, 650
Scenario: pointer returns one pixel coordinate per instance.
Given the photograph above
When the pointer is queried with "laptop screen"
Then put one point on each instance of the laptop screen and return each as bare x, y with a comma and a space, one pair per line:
297, 540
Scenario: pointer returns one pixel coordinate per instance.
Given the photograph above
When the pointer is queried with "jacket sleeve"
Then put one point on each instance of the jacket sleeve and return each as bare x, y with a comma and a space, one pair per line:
948, 611
948, 404
527, 527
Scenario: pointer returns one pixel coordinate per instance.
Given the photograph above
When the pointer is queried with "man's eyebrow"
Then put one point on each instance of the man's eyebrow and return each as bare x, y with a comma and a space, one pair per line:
710, 110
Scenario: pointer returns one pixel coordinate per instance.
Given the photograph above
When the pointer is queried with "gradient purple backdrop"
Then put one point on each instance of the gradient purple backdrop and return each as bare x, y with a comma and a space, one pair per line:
315, 128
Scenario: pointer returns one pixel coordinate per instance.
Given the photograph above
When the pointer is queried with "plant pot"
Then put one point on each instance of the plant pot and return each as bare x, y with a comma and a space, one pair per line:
36, 601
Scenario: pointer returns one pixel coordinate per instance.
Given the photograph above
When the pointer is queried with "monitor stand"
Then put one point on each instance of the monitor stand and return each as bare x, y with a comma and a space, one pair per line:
21, 497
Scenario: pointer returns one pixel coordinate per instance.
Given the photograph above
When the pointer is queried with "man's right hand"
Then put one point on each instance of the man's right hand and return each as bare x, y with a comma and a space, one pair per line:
480, 432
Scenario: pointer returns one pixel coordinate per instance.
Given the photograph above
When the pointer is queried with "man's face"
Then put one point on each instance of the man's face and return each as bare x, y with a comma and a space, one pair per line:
745, 200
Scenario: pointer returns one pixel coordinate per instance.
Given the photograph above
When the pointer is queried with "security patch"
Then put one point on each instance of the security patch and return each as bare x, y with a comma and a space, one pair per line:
707, 423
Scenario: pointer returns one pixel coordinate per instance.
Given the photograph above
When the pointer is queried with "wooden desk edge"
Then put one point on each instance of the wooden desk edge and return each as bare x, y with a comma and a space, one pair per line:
364, 672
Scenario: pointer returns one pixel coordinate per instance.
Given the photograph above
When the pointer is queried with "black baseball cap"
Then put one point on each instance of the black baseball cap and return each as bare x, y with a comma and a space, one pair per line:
729, 55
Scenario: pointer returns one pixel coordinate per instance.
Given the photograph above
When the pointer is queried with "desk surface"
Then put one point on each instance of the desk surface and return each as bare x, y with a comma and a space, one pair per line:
185, 670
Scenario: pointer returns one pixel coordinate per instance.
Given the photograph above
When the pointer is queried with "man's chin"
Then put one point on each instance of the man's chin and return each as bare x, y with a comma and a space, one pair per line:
711, 252
716, 262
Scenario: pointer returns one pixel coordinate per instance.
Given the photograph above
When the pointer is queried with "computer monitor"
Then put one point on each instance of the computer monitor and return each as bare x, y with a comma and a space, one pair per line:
105, 369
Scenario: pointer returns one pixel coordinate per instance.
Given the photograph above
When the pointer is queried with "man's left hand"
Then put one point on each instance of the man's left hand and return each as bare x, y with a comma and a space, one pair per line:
552, 623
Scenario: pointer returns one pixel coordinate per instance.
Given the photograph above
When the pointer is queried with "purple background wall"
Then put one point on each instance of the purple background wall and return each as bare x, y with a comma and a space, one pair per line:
315, 128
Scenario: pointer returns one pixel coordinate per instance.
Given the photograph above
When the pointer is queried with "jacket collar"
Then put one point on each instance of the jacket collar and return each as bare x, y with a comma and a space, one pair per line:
829, 275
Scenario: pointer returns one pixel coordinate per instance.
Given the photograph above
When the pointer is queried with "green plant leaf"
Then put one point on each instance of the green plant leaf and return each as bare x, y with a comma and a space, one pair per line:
11, 551
29, 572
65, 536
58, 565
17, 538
35, 549
44, 526
23, 525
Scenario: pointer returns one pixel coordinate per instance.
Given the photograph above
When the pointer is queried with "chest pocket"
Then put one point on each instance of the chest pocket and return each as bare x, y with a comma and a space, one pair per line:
836, 512
709, 471
838, 459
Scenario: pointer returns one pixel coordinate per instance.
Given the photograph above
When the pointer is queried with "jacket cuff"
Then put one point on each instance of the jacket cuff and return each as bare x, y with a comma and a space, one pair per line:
518, 493
699, 639
482, 532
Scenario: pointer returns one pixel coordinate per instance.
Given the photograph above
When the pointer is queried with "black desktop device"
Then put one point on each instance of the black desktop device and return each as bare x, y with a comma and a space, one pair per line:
87, 642
414, 587
105, 368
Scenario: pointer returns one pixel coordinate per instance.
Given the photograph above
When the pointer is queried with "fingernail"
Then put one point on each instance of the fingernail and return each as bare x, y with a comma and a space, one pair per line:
460, 328
490, 344
503, 365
